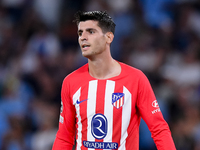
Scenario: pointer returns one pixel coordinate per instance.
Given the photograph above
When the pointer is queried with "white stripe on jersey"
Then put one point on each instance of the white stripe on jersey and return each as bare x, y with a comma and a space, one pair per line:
118, 103
76, 97
126, 115
91, 106
108, 108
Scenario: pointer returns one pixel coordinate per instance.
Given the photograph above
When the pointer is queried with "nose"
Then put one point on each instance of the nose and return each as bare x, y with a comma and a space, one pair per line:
83, 36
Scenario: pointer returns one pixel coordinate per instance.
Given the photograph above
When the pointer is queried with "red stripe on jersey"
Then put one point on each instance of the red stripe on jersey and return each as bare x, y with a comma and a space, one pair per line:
100, 96
100, 99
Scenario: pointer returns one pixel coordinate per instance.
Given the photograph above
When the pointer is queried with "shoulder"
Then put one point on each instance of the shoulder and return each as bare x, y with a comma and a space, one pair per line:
133, 74
130, 70
78, 74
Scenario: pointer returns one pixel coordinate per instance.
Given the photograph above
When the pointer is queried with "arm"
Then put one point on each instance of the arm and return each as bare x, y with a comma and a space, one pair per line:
150, 112
66, 132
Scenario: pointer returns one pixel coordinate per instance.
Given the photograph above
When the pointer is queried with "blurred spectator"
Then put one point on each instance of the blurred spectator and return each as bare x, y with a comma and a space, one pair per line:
183, 70
14, 9
48, 11
97, 5
46, 117
157, 14
16, 138
42, 46
194, 20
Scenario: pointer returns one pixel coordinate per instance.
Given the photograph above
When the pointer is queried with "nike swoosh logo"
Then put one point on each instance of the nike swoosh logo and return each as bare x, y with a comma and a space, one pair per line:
78, 102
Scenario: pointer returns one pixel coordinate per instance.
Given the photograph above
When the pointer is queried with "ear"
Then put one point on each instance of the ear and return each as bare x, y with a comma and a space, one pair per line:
109, 37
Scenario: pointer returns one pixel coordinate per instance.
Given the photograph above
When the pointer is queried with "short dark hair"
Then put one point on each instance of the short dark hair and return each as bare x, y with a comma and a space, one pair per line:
105, 22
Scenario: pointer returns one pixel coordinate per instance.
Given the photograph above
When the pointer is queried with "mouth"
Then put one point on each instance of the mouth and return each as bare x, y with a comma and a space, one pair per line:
85, 46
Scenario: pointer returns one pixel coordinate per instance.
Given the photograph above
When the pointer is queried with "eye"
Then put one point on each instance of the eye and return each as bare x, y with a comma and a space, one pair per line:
80, 33
91, 32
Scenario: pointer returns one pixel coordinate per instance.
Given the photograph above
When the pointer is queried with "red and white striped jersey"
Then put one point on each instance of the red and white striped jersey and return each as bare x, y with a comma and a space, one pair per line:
106, 114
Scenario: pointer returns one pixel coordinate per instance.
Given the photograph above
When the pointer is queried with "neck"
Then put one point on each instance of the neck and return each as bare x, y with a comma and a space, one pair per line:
104, 67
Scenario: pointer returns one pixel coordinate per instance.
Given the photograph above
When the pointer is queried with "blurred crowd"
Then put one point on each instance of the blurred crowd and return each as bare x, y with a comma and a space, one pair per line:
38, 48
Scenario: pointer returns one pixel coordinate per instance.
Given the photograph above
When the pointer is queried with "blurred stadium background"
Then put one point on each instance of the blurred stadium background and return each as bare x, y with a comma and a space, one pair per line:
38, 48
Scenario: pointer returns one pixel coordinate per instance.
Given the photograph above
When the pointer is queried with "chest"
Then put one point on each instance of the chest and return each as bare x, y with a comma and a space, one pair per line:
107, 97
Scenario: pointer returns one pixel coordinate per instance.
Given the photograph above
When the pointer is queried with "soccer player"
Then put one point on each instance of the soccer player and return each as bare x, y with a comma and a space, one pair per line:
104, 100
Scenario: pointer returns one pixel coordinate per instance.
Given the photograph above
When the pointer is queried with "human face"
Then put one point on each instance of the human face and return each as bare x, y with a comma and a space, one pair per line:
91, 38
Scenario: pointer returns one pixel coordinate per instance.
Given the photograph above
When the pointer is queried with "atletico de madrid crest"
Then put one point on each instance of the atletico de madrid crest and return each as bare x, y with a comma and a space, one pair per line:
118, 100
